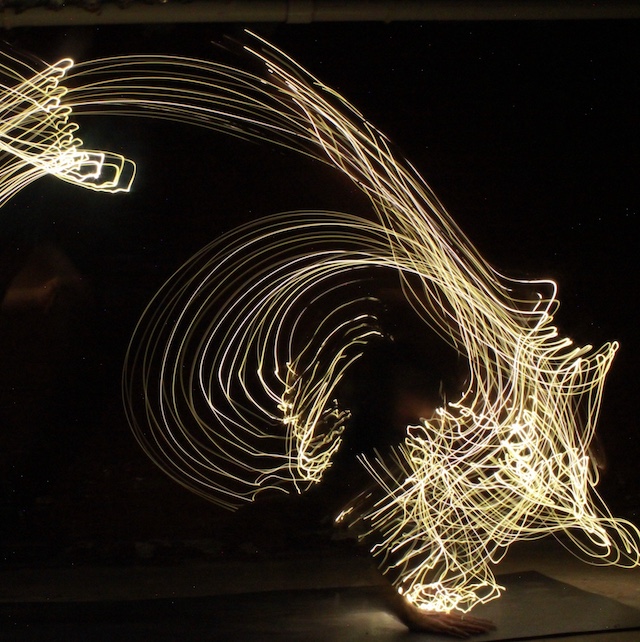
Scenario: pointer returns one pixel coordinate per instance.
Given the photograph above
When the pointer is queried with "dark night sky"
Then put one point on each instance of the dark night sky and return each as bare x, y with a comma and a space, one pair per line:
528, 133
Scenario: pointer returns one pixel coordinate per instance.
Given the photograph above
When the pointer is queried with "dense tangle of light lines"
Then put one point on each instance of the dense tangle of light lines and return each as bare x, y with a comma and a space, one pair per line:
230, 378
37, 138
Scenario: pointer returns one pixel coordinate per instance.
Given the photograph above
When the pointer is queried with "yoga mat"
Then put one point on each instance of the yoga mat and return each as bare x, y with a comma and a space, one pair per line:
533, 606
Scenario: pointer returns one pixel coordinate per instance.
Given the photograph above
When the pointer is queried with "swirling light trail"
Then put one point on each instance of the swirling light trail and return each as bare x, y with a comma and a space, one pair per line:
230, 378
226, 342
37, 138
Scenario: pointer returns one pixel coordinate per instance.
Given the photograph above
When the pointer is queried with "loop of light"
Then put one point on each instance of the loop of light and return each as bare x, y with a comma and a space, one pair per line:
231, 373
37, 138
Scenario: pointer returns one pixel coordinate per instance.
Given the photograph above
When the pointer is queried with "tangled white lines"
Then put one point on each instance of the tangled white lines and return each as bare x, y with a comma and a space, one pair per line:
37, 138
231, 376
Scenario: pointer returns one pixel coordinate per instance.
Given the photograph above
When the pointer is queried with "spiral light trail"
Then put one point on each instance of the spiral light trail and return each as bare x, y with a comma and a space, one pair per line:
231, 377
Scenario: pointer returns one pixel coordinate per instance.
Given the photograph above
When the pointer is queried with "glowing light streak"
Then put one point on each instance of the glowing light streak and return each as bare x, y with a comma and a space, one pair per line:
232, 372
37, 138
261, 391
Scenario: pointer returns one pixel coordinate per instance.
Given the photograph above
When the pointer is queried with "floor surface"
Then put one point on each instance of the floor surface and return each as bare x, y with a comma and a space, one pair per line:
330, 595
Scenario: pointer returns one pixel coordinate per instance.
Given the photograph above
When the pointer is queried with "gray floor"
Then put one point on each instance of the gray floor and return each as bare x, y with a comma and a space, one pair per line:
314, 576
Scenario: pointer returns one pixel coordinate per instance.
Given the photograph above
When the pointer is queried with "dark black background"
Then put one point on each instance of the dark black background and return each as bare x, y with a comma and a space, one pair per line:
527, 131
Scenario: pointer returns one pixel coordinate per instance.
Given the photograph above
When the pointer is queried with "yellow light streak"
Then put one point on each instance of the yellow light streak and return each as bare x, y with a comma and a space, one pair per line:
232, 372
233, 381
37, 138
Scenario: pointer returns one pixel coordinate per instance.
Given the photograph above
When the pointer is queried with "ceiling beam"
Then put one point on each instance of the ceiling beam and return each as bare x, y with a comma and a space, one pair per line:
95, 12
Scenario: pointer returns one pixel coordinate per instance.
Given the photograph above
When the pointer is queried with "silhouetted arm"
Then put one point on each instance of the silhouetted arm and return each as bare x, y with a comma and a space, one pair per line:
455, 624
